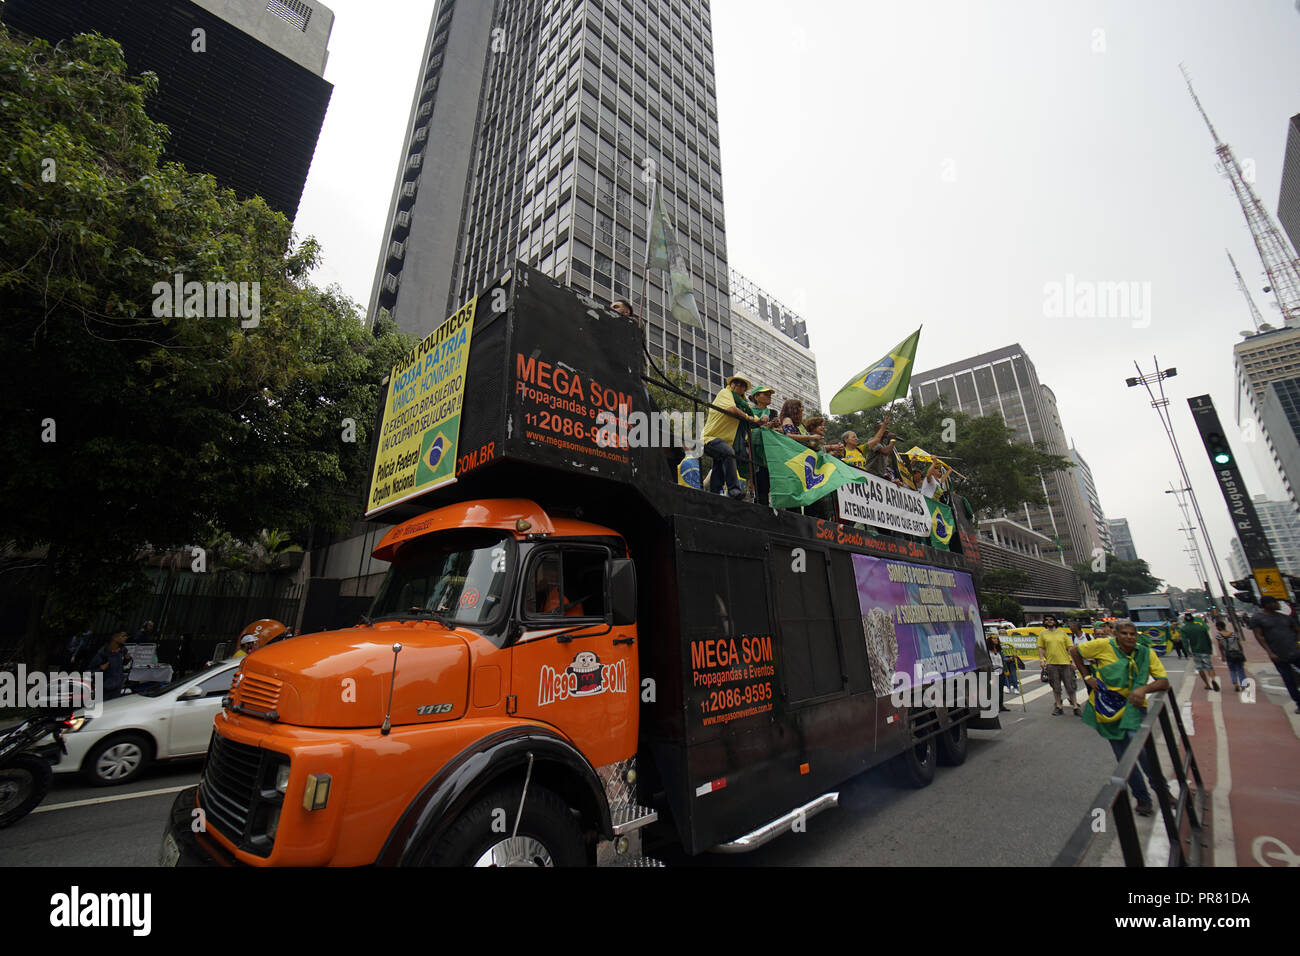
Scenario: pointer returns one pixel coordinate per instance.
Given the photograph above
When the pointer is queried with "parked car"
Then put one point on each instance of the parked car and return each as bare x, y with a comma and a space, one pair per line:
134, 730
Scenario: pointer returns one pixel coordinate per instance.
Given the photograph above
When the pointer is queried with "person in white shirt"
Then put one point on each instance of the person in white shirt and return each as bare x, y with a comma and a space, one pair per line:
932, 479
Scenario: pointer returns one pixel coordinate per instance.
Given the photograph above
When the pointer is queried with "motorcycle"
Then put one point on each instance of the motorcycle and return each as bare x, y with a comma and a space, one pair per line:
25, 767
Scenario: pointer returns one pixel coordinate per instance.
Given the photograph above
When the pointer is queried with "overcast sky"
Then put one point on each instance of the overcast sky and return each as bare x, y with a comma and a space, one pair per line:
889, 165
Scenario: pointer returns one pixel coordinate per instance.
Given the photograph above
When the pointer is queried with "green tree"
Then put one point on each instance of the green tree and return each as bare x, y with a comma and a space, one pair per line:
129, 425
672, 401
1115, 578
1000, 473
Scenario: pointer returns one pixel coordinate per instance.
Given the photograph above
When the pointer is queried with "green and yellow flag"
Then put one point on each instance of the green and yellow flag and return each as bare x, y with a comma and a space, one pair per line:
665, 253
941, 524
799, 476
880, 382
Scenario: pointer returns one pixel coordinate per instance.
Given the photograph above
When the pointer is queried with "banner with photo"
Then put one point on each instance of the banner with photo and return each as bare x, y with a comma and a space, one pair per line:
919, 623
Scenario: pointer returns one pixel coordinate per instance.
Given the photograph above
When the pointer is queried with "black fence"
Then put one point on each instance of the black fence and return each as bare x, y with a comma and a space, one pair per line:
1185, 819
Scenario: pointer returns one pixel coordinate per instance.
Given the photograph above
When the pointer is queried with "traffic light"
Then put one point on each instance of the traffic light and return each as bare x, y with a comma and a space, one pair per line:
1218, 448
1242, 591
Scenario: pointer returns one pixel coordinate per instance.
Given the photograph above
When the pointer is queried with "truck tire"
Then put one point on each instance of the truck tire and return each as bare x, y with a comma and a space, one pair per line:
23, 784
952, 744
914, 767
548, 834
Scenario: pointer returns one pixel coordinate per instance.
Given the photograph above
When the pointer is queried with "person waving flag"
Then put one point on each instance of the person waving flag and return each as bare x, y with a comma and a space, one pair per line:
881, 382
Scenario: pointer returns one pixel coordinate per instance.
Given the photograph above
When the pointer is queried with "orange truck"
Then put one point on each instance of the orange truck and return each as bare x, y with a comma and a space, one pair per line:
570, 649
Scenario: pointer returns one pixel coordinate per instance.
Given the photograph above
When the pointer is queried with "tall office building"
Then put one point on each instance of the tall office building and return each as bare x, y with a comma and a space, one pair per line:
1279, 414
244, 98
1122, 538
537, 131
1237, 563
1094, 517
770, 344
1288, 200
1004, 382
1282, 529
1260, 359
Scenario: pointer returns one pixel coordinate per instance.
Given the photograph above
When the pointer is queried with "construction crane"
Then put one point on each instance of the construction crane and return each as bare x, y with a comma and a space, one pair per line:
1254, 310
1280, 264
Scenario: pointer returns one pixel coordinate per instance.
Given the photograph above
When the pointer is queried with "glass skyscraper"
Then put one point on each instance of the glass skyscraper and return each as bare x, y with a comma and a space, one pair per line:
538, 131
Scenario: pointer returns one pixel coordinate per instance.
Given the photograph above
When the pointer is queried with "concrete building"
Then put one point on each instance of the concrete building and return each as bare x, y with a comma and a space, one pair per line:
1094, 517
1279, 415
1237, 562
1122, 539
1261, 358
1004, 382
1282, 529
1007, 544
537, 131
1288, 200
770, 344
240, 87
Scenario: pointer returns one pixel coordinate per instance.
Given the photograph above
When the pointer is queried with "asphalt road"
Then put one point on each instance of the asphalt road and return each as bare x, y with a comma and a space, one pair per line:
1014, 802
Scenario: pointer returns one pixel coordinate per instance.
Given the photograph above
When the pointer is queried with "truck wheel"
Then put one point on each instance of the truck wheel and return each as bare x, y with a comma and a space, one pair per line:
915, 766
952, 745
548, 834
117, 760
23, 784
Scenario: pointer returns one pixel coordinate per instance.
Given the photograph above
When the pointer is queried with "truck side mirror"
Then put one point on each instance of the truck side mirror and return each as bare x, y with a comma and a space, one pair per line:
621, 576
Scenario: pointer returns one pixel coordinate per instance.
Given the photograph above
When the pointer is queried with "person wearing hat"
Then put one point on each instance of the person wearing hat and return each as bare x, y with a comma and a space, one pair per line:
719, 436
247, 644
761, 399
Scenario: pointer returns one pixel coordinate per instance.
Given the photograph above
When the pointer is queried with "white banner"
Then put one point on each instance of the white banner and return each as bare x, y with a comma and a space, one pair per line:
881, 503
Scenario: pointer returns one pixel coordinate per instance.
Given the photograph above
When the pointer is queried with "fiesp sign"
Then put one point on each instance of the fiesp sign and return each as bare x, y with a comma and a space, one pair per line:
420, 432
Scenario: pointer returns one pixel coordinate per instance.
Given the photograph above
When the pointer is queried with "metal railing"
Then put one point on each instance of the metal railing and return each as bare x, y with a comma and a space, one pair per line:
1188, 812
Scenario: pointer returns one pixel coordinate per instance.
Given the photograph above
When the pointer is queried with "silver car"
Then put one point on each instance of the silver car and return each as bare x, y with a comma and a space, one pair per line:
136, 729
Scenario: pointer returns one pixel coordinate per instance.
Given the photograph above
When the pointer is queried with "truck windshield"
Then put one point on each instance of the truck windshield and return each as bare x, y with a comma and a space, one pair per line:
457, 577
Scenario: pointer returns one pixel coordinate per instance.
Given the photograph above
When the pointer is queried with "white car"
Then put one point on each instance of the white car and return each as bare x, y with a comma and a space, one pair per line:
138, 728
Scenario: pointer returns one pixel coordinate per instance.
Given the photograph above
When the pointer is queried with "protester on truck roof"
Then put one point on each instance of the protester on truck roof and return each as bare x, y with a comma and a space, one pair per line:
792, 422
880, 452
761, 398
853, 450
720, 428
933, 478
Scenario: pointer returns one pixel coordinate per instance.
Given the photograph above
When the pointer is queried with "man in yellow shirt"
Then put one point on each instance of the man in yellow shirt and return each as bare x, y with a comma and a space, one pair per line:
1054, 655
720, 436
1123, 672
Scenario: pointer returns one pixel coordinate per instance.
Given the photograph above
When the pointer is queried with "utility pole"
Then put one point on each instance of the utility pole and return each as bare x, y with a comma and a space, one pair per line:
1161, 405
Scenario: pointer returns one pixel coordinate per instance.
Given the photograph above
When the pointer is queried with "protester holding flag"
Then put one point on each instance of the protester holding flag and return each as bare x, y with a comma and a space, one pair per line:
880, 452
761, 399
792, 422
1123, 673
720, 435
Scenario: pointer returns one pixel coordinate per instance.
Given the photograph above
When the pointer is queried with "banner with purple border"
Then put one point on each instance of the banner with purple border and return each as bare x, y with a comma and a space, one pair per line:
919, 623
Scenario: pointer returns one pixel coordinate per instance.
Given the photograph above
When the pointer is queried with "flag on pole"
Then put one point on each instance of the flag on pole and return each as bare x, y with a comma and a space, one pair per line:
880, 382
665, 253
798, 475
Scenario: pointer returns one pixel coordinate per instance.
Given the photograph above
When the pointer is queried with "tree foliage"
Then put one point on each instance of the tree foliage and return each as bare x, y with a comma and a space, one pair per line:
1000, 472
125, 428
1117, 578
671, 401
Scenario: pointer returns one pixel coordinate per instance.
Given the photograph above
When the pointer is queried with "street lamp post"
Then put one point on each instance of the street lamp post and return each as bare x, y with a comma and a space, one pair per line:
1161, 405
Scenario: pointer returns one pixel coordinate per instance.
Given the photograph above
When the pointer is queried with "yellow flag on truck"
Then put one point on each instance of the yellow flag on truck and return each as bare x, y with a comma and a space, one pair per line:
421, 426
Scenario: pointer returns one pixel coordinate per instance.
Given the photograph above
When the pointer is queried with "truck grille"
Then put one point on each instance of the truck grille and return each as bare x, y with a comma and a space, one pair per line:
229, 785
257, 694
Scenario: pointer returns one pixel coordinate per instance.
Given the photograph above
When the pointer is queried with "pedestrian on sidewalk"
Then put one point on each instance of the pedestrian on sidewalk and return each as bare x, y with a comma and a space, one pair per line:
1231, 651
1196, 638
1277, 634
999, 665
1054, 656
1122, 674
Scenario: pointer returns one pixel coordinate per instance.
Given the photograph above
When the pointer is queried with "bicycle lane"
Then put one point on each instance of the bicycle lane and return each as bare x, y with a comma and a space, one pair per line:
1262, 791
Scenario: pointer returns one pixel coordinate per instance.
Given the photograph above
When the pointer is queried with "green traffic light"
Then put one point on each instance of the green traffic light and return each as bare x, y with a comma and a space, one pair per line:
1222, 458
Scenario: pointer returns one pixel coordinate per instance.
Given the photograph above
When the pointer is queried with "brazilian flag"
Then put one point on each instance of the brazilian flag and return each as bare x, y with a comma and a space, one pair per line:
941, 524
799, 476
438, 453
880, 382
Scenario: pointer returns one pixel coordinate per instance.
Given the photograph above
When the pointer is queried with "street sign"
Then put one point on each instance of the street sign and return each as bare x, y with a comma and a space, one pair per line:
1270, 583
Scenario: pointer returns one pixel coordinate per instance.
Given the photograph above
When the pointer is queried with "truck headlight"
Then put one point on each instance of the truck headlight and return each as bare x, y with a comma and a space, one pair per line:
317, 792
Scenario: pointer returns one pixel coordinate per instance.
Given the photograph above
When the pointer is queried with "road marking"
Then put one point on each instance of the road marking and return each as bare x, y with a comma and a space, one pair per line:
1248, 691
1187, 719
1282, 852
112, 799
1225, 844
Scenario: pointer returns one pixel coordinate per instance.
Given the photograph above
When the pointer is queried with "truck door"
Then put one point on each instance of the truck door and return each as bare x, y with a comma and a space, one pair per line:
569, 667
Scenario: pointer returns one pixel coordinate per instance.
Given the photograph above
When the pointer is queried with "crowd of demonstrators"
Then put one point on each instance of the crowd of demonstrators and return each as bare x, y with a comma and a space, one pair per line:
1119, 673
1277, 634
1196, 640
1054, 646
1231, 651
